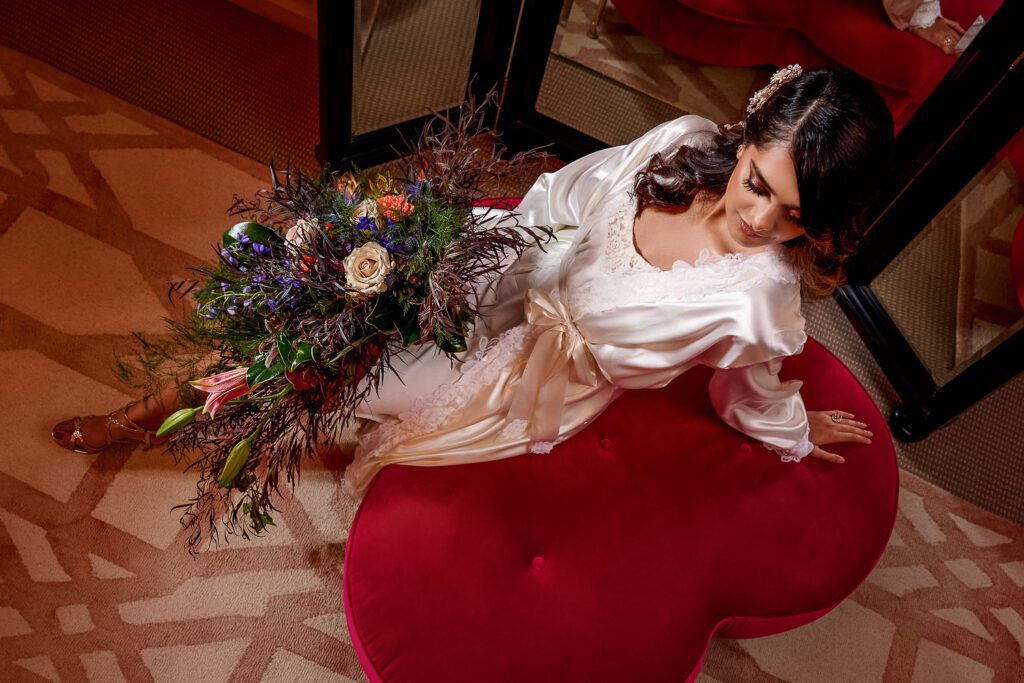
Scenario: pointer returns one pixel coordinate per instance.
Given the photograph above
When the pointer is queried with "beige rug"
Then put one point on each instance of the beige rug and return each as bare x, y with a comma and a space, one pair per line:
100, 205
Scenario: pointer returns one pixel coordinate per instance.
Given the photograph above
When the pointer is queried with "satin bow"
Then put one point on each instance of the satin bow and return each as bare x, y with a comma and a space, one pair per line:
559, 355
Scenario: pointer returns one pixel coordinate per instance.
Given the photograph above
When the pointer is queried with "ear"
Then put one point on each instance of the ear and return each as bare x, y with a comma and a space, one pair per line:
739, 151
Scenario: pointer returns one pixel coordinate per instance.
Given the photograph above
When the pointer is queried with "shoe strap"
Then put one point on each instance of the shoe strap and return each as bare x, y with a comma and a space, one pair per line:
131, 426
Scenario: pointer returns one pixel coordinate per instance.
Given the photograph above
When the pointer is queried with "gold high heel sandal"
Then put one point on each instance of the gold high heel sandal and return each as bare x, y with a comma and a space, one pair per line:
75, 441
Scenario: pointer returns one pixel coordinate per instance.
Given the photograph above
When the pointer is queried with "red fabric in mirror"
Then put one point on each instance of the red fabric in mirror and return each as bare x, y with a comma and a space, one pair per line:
619, 554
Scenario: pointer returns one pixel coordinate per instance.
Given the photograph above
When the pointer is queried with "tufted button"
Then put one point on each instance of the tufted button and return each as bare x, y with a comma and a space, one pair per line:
606, 444
538, 562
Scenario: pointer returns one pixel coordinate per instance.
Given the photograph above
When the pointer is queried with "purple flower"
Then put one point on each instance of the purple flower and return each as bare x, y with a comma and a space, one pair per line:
260, 249
414, 190
232, 309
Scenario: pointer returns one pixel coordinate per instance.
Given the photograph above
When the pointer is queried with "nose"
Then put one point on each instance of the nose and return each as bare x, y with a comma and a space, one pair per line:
763, 219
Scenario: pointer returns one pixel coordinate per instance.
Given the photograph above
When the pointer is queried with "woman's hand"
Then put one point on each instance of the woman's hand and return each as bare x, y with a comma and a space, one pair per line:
944, 34
824, 430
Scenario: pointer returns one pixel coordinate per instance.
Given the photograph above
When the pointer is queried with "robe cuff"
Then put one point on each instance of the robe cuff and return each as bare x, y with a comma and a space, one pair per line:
794, 453
925, 15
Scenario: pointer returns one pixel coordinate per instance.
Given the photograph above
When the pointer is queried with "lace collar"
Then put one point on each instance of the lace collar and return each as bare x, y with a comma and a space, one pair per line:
772, 259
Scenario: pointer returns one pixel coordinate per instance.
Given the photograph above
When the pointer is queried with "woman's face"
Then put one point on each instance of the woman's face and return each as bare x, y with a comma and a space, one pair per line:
762, 200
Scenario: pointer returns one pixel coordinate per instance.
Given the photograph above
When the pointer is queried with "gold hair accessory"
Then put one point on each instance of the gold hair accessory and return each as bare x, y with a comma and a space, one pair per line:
779, 78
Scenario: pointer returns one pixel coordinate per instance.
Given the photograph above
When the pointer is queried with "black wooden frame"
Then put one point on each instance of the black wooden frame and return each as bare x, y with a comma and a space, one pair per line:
519, 122
969, 117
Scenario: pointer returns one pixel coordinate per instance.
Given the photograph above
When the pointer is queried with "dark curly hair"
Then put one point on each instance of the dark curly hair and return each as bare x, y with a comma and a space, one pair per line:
839, 133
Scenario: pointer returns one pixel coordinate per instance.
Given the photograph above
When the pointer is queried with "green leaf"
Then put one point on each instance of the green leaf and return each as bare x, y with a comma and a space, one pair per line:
254, 231
284, 348
381, 318
177, 420
304, 353
233, 465
452, 344
409, 327
259, 372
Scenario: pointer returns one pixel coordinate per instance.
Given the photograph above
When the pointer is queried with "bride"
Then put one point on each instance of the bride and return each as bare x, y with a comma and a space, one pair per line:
689, 246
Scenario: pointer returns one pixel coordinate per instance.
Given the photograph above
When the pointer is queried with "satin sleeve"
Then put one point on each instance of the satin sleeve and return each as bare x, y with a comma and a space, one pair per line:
906, 14
570, 194
647, 345
752, 400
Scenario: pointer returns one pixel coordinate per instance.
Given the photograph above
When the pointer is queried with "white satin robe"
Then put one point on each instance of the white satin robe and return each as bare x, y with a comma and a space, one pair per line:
567, 329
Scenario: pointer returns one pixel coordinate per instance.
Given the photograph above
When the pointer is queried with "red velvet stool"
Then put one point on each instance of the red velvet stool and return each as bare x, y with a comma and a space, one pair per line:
617, 556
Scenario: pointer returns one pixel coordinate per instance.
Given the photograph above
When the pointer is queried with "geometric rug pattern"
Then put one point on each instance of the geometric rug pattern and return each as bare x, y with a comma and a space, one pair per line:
101, 205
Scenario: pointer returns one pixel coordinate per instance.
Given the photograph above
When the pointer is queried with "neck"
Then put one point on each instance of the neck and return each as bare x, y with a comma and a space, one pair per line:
715, 221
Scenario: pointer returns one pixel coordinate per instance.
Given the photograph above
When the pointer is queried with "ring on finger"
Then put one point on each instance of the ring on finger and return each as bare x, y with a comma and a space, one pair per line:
836, 417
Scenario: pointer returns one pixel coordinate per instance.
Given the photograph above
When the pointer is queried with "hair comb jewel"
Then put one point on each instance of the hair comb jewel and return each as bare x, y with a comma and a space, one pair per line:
779, 78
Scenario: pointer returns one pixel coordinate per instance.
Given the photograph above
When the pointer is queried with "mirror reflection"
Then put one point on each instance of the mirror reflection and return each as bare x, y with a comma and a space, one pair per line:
390, 31
707, 58
957, 291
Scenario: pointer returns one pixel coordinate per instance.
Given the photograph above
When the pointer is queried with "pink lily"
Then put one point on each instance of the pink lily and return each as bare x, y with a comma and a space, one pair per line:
222, 388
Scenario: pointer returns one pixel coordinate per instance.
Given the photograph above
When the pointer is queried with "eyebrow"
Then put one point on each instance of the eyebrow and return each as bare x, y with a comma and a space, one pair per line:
767, 186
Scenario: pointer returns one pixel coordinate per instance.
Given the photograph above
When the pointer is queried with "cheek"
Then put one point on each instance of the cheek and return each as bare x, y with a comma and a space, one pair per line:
791, 232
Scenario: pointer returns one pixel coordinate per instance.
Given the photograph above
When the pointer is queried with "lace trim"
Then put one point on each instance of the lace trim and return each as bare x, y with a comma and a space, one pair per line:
478, 373
625, 277
797, 452
925, 15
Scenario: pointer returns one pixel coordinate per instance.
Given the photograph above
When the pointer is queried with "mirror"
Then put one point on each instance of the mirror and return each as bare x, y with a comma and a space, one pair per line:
697, 56
390, 31
957, 291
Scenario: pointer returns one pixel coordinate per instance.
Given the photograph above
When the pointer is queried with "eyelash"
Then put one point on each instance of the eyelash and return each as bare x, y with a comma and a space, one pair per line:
761, 193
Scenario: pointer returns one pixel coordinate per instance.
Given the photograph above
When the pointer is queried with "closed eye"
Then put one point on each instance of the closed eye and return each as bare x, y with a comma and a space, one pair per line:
761, 193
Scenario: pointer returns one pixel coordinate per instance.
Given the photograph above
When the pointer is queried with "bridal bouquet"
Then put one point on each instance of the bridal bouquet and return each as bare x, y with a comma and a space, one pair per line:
312, 293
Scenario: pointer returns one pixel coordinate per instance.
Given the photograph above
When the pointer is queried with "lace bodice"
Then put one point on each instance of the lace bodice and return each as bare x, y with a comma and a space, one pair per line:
626, 277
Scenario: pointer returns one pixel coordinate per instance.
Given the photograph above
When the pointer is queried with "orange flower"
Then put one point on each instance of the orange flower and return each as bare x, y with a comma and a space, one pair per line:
394, 206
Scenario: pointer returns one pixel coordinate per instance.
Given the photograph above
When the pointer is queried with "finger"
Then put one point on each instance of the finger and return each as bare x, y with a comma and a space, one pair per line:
850, 435
854, 430
820, 452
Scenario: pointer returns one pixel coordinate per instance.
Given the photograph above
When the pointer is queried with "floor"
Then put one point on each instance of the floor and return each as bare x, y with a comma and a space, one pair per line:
101, 203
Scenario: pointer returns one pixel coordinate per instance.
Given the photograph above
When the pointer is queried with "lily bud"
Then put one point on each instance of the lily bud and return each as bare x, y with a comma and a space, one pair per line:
177, 420
233, 465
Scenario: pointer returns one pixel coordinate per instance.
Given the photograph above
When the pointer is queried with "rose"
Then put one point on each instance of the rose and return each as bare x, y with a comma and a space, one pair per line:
366, 267
302, 231
366, 208
395, 206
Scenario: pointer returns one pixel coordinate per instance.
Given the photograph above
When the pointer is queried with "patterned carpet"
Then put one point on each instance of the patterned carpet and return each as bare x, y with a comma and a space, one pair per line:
101, 204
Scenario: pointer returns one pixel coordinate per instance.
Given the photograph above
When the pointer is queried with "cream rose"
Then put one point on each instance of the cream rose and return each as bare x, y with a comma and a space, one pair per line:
302, 231
366, 267
367, 207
